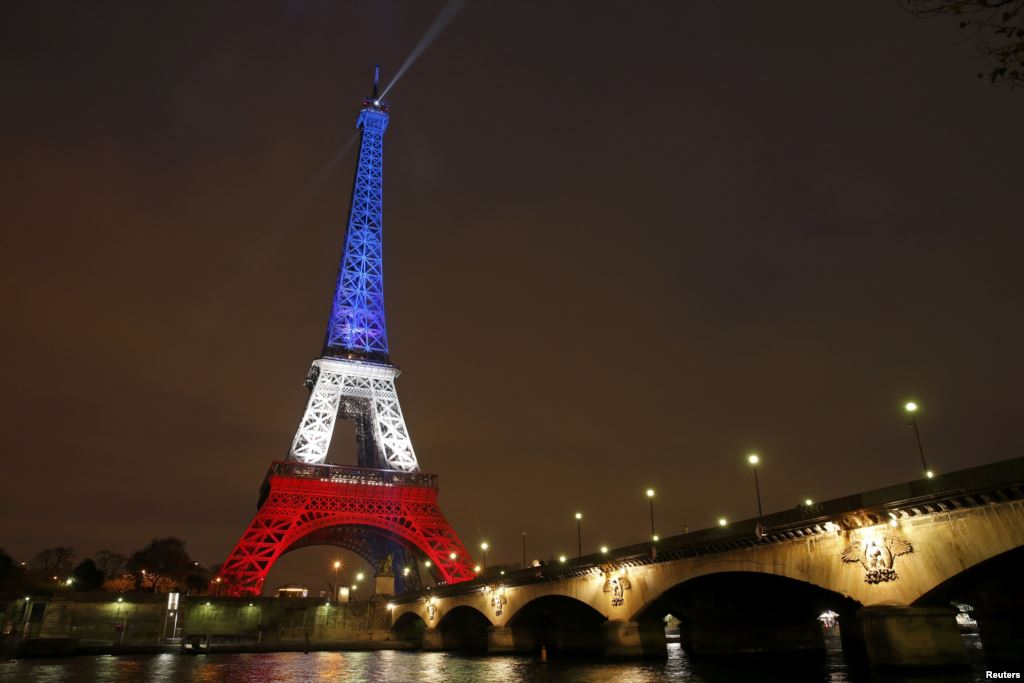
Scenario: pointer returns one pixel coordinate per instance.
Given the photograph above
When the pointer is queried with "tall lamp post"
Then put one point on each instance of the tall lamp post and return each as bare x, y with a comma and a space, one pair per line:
336, 588
911, 409
579, 534
650, 498
754, 459
483, 548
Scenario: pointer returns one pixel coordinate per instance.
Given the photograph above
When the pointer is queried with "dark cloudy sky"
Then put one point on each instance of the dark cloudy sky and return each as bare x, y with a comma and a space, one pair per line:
625, 244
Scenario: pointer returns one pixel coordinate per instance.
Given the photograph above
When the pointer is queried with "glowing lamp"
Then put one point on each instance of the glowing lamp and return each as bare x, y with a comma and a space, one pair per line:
808, 502
650, 493
561, 558
753, 458
722, 521
604, 549
910, 407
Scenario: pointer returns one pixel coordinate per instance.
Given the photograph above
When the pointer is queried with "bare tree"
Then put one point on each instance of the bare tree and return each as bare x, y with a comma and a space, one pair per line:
54, 562
997, 27
113, 565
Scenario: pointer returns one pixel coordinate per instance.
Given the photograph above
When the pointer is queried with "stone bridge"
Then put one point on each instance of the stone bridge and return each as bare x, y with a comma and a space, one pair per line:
889, 562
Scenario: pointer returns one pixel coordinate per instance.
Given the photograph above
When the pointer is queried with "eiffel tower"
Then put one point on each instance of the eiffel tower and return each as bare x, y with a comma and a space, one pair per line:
385, 508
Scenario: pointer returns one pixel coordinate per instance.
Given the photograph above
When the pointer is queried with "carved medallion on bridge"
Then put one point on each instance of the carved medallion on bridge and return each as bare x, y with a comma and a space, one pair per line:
877, 555
498, 599
617, 583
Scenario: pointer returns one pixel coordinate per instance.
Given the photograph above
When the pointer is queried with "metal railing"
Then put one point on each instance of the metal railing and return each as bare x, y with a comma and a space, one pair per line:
351, 475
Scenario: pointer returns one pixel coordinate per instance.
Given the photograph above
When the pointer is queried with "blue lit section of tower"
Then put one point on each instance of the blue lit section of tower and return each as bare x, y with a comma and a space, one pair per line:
357, 329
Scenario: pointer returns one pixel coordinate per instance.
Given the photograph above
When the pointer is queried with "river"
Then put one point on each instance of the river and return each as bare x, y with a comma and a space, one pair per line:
437, 667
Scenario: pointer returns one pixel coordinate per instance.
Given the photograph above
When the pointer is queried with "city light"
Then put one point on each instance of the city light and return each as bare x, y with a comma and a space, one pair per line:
604, 549
561, 558
427, 563
911, 409
405, 571
391, 605
808, 502
579, 515
722, 521
753, 459
122, 600
650, 493
452, 556
655, 538
484, 546
359, 576
337, 564
477, 569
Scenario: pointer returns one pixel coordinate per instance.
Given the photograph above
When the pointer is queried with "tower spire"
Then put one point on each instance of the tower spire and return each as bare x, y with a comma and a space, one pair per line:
356, 329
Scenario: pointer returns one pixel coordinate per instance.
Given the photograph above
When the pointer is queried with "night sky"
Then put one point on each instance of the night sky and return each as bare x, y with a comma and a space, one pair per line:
625, 244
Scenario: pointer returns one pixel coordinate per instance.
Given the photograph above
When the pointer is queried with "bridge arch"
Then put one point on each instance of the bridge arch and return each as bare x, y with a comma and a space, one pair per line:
464, 629
409, 628
747, 611
559, 623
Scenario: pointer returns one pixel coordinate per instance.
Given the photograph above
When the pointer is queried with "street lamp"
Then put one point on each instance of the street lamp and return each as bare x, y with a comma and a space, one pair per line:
722, 521
753, 459
579, 534
483, 547
911, 409
650, 497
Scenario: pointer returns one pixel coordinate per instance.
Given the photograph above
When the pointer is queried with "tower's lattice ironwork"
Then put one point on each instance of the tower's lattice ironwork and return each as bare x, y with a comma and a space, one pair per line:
385, 507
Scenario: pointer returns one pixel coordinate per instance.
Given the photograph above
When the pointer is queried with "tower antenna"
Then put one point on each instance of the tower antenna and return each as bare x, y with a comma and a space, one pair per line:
376, 80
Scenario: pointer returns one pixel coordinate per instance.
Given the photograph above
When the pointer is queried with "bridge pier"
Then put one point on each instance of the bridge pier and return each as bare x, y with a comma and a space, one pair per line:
502, 640
432, 640
910, 637
634, 639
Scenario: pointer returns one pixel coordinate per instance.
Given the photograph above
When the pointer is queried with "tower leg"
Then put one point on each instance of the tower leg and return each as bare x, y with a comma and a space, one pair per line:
304, 503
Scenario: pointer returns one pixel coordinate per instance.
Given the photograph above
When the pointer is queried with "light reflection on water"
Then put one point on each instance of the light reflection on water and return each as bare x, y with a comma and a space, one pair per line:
434, 667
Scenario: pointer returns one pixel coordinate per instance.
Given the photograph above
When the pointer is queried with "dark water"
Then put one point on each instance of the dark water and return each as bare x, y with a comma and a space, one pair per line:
437, 667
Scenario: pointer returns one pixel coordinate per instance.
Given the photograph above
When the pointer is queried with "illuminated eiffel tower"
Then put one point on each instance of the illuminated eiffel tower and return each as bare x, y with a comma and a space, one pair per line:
384, 507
